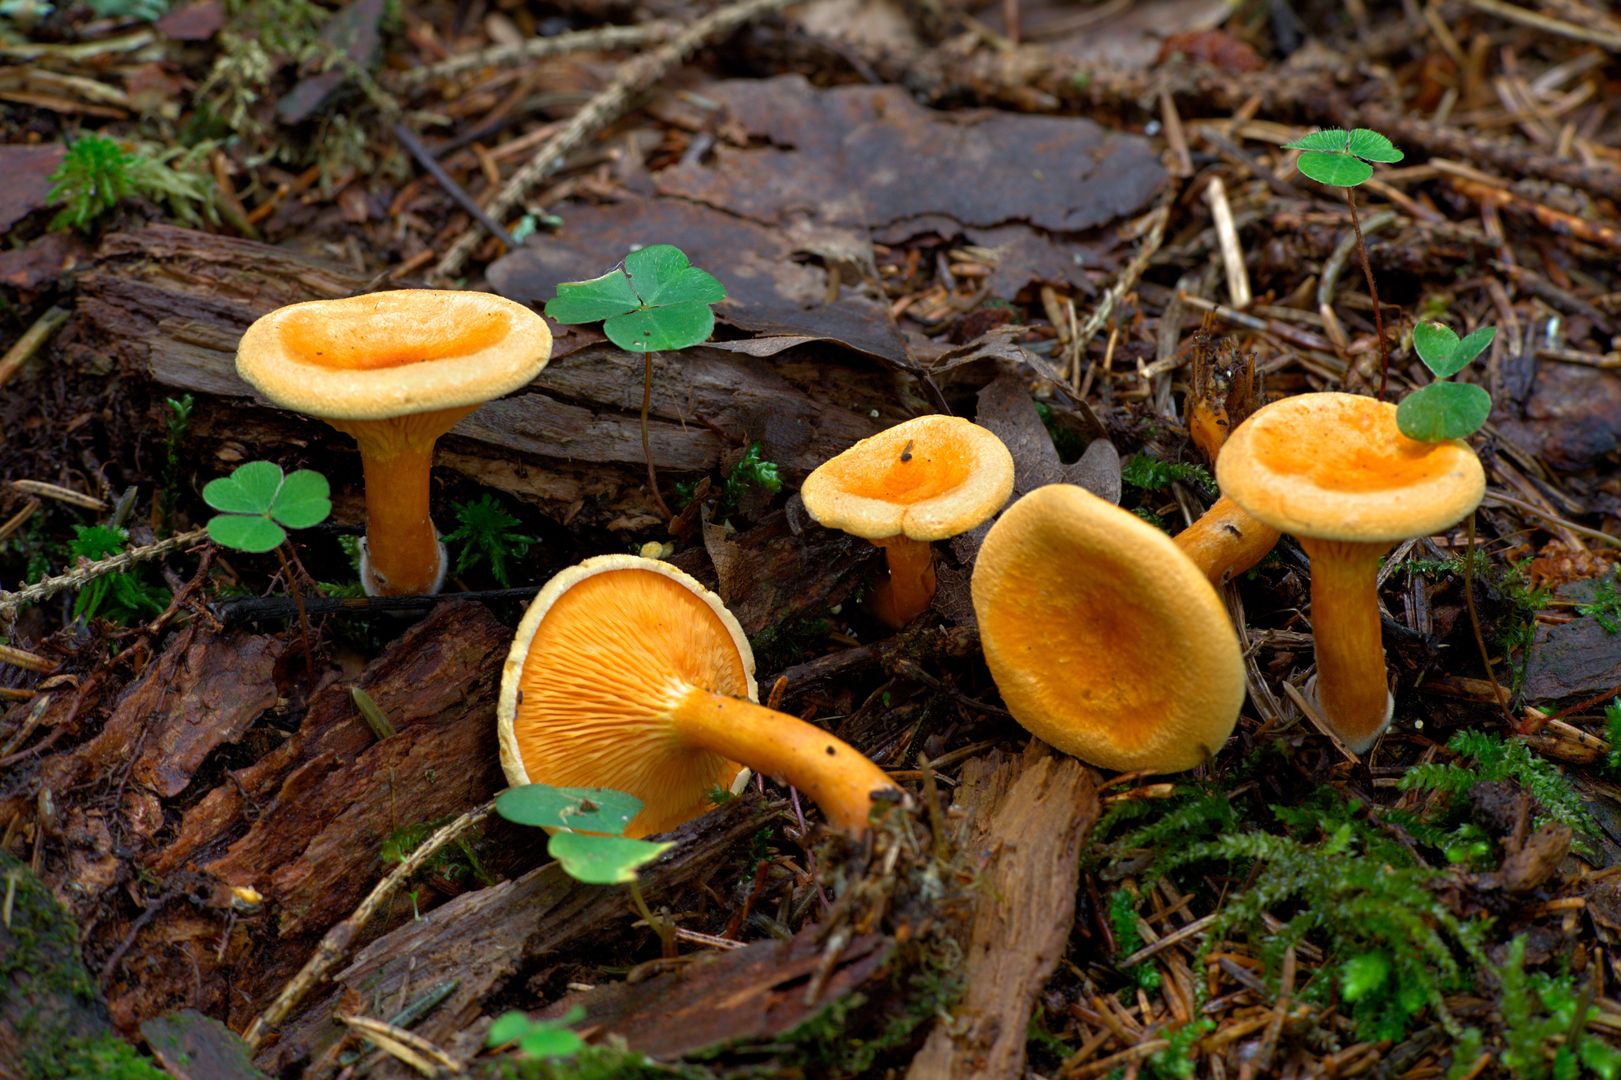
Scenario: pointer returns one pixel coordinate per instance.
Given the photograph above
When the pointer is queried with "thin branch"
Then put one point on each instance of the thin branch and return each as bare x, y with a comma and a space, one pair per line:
609, 105
335, 945
10, 602
601, 38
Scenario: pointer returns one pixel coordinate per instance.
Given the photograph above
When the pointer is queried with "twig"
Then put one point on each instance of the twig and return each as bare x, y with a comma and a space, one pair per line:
281, 607
303, 619
458, 194
335, 945
83, 575
33, 339
600, 38
1537, 20
1128, 277
606, 107
1550, 516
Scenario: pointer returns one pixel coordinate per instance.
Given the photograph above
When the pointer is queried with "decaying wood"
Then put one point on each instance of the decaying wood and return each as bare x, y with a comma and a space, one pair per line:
1032, 815
191, 1046
481, 940
751, 994
169, 304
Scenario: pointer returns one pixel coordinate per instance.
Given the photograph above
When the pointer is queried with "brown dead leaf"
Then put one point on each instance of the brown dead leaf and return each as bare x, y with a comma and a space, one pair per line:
27, 170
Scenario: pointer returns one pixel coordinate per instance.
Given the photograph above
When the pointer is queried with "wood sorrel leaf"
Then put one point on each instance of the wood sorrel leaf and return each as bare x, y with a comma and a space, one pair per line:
241, 532
600, 810
602, 860
250, 489
305, 499
1443, 410
657, 301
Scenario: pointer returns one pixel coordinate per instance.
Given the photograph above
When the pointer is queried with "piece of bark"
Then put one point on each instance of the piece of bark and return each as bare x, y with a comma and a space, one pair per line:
754, 994
1574, 659
435, 667
481, 940
169, 304
313, 850
1031, 815
205, 690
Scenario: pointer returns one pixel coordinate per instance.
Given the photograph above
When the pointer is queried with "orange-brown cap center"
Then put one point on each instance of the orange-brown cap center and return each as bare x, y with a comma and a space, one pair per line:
362, 339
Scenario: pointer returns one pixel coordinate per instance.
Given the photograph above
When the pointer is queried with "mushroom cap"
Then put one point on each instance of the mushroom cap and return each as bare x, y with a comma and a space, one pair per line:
602, 656
1104, 639
393, 353
1335, 467
927, 479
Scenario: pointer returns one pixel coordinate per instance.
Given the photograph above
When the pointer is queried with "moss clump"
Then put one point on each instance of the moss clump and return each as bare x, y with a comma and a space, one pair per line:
51, 1002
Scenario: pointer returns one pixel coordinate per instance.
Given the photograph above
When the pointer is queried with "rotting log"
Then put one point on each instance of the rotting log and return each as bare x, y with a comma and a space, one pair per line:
168, 304
1031, 817
481, 941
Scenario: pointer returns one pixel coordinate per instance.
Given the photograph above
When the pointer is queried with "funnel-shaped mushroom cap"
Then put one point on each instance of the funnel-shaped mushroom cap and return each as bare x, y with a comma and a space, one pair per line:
1105, 640
393, 353
929, 478
1336, 467
605, 655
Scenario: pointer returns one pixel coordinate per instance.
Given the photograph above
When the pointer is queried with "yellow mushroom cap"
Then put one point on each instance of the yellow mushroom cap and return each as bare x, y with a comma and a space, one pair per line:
929, 478
393, 353
1335, 467
606, 651
1104, 639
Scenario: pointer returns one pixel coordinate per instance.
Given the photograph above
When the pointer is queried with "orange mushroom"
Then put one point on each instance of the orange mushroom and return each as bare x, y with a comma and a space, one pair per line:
927, 479
626, 673
1104, 639
395, 370
1334, 471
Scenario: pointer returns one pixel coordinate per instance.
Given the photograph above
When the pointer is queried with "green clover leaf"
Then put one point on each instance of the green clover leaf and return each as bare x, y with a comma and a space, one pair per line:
657, 301
1340, 158
258, 503
1442, 351
597, 810
602, 860
1443, 410
538, 1038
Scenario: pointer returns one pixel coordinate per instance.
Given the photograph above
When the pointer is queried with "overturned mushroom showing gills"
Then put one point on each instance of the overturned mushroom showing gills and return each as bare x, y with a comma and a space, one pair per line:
626, 673
927, 479
1335, 472
1104, 639
395, 370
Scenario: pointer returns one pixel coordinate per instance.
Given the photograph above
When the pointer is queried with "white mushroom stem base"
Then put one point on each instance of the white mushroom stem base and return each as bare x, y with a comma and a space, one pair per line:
835, 775
910, 588
376, 585
1351, 690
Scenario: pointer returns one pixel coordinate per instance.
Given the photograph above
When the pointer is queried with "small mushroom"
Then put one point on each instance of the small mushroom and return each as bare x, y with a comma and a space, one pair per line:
1104, 639
395, 370
626, 673
927, 479
1335, 472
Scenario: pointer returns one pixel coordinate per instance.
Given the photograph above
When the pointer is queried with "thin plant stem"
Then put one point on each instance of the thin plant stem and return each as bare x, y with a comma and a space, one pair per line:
664, 930
298, 602
1373, 293
647, 442
1474, 619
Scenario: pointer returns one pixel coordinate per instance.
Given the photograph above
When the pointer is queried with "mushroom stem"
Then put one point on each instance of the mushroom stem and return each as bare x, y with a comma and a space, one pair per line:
835, 775
1226, 541
910, 587
403, 553
1351, 691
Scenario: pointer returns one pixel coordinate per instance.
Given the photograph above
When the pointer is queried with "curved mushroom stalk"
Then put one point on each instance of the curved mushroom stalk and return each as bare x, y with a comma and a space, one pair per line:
1226, 542
626, 673
831, 772
908, 591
